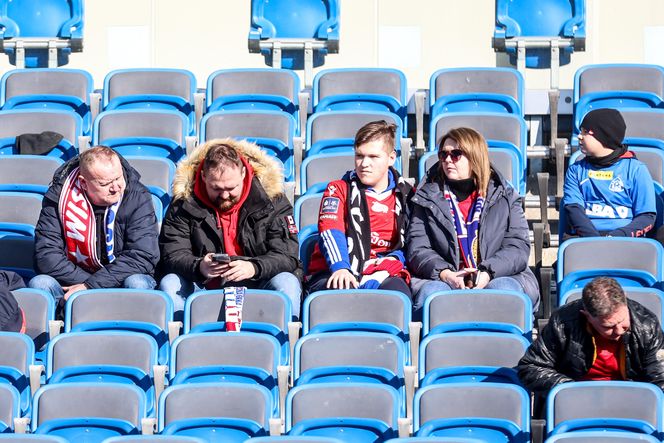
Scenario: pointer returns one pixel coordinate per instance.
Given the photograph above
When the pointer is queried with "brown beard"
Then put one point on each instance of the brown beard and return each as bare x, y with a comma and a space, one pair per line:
225, 205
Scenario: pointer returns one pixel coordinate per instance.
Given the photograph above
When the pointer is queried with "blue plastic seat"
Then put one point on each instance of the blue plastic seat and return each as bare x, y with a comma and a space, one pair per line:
27, 173
88, 411
562, 20
146, 311
216, 412
18, 353
645, 127
306, 208
143, 132
492, 412
103, 357
293, 24
35, 23
153, 439
347, 411
601, 437
39, 309
154, 89
476, 90
10, 407
17, 254
605, 406
631, 261
362, 89
293, 439
19, 212
470, 356
43, 88
16, 122
31, 438
157, 175
238, 357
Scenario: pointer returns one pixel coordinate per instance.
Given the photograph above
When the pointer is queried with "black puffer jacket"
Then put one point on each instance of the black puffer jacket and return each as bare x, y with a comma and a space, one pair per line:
189, 230
564, 351
136, 231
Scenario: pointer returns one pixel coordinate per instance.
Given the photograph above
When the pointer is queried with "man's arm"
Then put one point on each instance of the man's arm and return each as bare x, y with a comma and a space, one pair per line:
653, 359
140, 251
175, 245
50, 256
644, 207
537, 368
575, 204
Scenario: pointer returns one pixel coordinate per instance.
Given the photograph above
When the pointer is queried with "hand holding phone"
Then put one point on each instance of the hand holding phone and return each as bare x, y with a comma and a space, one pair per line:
221, 258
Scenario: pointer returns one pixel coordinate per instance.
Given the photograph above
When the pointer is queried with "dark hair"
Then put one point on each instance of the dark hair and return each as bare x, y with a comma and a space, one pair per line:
378, 130
221, 154
94, 154
602, 296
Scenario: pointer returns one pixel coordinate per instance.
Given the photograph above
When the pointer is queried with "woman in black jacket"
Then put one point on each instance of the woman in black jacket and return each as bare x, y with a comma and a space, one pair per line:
468, 229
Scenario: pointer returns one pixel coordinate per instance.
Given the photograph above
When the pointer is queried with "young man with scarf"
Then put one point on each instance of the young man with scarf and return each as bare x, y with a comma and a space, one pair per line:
363, 219
228, 197
97, 227
609, 192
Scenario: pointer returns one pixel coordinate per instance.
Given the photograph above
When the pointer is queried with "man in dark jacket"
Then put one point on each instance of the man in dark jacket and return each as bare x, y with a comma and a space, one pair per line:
603, 336
228, 199
97, 228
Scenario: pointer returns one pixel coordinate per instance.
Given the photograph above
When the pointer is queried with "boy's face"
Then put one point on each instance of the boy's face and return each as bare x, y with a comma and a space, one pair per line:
372, 162
590, 146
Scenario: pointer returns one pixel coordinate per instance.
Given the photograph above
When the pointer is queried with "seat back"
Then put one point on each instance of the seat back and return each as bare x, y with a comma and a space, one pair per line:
17, 254
360, 81
17, 352
32, 438
327, 310
124, 83
34, 121
20, 207
248, 124
482, 400
618, 77
306, 209
32, 173
643, 123
155, 172
598, 399
473, 309
640, 254
601, 436
9, 406
82, 400
43, 81
325, 400
223, 400
259, 306
154, 439
39, 308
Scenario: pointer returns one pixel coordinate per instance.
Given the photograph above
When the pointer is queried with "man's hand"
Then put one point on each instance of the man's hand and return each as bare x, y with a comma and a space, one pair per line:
69, 290
210, 268
239, 270
342, 279
456, 278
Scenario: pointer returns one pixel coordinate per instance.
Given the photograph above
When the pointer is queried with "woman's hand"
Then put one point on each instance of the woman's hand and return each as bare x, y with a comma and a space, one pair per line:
454, 278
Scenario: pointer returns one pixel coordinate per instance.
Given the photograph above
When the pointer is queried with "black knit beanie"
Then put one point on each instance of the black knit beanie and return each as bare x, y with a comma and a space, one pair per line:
607, 126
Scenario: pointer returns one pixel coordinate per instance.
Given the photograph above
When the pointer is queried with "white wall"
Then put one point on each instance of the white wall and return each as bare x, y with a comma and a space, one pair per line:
206, 35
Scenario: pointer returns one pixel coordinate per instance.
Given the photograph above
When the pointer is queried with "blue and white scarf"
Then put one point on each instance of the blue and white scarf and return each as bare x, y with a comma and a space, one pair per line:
466, 230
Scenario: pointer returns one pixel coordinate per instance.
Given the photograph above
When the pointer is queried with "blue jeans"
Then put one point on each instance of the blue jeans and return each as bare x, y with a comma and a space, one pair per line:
49, 284
179, 289
431, 286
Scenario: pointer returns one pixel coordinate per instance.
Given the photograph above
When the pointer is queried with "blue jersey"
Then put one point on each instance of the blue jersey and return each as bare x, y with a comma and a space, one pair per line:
611, 196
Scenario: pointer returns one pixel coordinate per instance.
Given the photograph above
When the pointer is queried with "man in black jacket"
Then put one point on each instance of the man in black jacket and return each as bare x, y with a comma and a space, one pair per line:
603, 336
228, 199
97, 228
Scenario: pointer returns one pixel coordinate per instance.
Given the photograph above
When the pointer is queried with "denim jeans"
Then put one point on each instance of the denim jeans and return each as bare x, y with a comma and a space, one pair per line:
179, 289
51, 285
431, 286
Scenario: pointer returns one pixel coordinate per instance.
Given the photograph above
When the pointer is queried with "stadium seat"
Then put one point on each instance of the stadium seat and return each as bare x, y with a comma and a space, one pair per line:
601, 437
651, 298
348, 411
534, 27
470, 356
254, 89
362, 89
41, 34
294, 439
604, 406
143, 132
307, 238
616, 86
106, 356
240, 357
31, 438
476, 90
645, 127
631, 261
306, 208
88, 411
27, 173
216, 412
35, 121
17, 251
9, 407
18, 354
273, 131
67, 89
263, 311
486, 411
478, 310
294, 36
507, 161
19, 212
434, 440
154, 88
154, 439
157, 175
39, 309
146, 311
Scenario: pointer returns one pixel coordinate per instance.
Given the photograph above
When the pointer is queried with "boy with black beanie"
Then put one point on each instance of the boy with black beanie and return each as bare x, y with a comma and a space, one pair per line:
609, 192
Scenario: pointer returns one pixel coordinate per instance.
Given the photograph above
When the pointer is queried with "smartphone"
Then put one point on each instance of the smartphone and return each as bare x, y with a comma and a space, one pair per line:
221, 258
